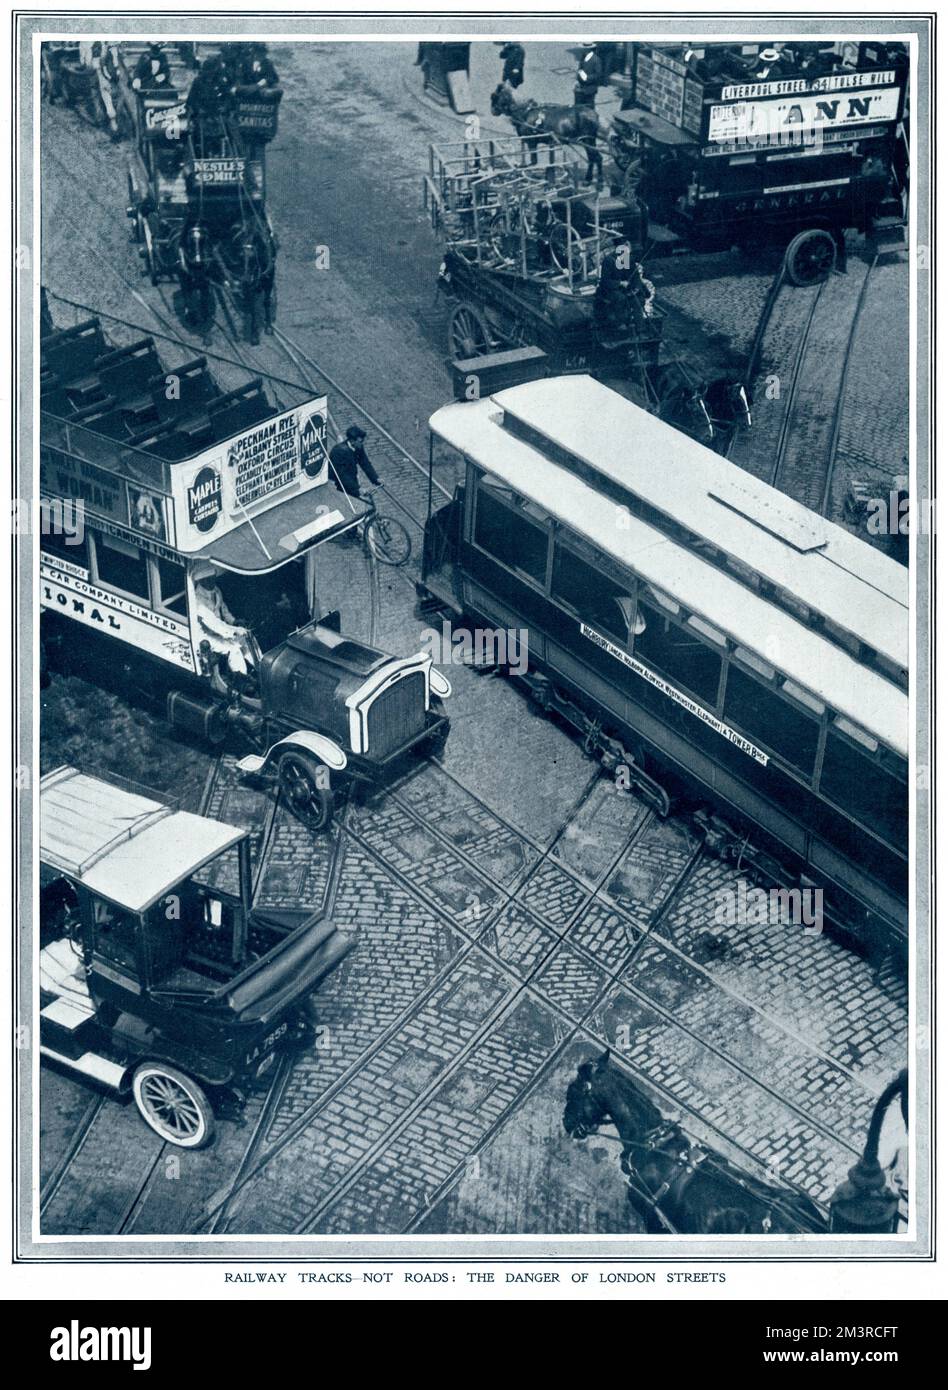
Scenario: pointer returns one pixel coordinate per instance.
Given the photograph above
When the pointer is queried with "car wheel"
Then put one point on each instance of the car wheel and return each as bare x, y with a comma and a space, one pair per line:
173, 1105
301, 785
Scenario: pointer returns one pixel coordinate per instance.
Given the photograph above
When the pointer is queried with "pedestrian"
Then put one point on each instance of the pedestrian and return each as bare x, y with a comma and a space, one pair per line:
514, 57
588, 77
106, 65
345, 460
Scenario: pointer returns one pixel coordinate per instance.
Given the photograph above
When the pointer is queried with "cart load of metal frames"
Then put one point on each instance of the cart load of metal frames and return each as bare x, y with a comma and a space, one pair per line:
517, 204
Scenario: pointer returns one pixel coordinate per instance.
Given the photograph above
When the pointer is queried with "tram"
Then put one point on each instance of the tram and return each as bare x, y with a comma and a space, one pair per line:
794, 159
203, 505
727, 647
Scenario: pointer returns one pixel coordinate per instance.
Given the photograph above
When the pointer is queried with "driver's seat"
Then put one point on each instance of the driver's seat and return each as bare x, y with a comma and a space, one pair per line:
62, 974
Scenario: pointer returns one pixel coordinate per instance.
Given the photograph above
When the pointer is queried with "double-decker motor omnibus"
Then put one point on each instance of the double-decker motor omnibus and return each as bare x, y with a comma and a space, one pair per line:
726, 645
795, 158
202, 511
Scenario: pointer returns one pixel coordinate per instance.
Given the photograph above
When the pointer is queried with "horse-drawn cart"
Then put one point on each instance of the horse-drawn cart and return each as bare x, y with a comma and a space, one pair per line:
197, 204
525, 244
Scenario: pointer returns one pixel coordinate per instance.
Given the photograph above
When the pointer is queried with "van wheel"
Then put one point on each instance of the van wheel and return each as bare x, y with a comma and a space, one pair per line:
173, 1105
304, 785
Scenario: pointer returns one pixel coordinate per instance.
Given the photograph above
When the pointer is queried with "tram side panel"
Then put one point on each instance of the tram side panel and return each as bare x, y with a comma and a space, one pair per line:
863, 861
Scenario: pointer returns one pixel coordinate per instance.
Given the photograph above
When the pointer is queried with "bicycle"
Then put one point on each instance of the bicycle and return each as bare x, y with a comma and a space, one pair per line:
384, 537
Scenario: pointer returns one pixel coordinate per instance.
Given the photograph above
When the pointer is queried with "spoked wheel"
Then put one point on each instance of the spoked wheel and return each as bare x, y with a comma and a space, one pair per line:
810, 257
468, 335
388, 540
566, 247
173, 1105
304, 786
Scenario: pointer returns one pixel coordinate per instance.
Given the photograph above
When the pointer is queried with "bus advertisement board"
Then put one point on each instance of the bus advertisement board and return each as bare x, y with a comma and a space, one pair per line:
268, 463
764, 120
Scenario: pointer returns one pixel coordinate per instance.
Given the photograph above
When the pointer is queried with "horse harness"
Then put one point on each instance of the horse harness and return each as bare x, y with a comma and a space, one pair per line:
661, 1141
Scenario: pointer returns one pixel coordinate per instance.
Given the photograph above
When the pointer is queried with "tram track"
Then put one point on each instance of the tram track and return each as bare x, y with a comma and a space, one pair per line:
577, 1028
799, 449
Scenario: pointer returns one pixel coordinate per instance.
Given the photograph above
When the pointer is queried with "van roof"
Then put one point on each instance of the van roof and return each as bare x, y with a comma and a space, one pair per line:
119, 844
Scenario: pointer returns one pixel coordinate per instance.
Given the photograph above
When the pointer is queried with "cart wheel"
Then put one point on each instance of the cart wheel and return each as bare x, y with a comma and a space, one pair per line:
300, 781
173, 1105
566, 247
388, 540
467, 332
810, 257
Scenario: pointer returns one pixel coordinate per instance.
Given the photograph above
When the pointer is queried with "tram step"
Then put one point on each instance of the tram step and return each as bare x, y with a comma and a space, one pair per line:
66, 1013
888, 229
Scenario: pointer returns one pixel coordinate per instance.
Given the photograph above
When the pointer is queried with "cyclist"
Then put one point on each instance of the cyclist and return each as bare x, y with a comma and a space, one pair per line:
345, 460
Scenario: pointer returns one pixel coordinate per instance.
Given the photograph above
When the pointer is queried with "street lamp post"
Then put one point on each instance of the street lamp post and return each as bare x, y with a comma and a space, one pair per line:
863, 1204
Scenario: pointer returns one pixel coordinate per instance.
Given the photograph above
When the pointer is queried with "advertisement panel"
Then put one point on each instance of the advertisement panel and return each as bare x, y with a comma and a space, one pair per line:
760, 120
232, 481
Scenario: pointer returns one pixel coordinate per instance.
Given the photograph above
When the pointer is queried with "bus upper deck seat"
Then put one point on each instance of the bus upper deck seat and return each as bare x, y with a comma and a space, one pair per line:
71, 353
190, 385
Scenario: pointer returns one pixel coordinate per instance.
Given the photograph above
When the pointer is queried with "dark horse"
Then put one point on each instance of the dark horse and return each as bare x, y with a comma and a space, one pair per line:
709, 413
571, 124
676, 1186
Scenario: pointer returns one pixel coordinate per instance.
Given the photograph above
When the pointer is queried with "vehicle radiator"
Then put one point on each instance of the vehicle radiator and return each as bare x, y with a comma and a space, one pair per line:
396, 715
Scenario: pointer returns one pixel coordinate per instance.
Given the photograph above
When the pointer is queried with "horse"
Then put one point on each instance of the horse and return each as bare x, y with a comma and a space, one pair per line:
547, 123
681, 401
893, 1135
677, 1187
248, 252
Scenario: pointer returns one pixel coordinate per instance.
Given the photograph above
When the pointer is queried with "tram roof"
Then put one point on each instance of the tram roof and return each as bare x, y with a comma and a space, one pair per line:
827, 671
119, 844
837, 575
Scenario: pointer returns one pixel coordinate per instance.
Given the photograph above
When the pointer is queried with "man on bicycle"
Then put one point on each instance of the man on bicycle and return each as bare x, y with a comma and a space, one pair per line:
345, 460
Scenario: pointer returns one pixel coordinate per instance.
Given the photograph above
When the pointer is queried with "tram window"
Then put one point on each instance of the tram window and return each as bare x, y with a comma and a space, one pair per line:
759, 711
861, 786
171, 590
674, 652
121, 566
592, 595
506, 533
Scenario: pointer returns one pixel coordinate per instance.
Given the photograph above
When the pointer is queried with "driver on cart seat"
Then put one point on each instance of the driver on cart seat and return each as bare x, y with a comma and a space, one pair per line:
209, 90
256, 70
623, 304
152, 73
